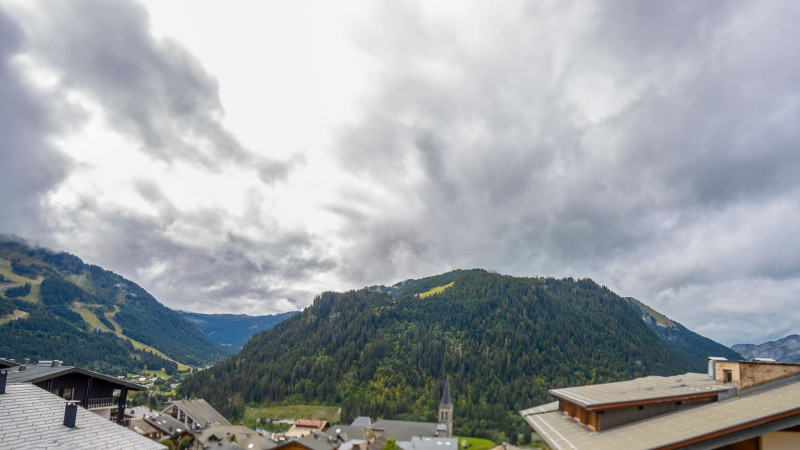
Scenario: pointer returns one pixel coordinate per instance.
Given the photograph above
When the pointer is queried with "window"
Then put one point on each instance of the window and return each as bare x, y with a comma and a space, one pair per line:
727, 376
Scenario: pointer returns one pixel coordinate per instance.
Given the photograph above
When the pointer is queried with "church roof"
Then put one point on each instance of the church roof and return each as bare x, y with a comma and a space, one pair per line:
446, 402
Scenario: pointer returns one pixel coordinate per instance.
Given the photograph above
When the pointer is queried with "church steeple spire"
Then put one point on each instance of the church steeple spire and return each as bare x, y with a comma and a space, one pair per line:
446, 409
446, 402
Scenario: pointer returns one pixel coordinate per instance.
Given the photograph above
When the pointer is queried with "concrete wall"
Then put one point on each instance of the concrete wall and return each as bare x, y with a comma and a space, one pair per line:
732, 366
753, 374
750, 374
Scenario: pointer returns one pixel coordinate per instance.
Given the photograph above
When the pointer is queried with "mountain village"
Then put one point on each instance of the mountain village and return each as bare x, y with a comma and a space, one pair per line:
737, 405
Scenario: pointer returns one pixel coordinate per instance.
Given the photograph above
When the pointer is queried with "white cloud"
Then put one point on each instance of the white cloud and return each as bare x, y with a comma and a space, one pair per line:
250, 155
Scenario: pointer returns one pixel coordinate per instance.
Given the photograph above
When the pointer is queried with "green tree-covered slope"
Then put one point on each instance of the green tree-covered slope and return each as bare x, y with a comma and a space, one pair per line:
82, 314
502, 340
690, 345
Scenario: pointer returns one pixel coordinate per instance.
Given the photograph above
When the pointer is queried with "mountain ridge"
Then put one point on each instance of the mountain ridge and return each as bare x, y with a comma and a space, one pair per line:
89, 316
382, 351
786, 350
692, 346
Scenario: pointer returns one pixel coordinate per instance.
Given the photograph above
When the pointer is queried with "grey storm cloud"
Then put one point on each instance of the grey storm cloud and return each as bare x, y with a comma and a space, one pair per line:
651, 146
198, 276
152, 90
30, 167
687, 183
159, 96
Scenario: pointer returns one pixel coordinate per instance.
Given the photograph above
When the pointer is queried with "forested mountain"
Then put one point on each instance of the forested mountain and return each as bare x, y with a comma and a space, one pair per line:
87, 316
785, 350
690, 345
502, 340
233, 330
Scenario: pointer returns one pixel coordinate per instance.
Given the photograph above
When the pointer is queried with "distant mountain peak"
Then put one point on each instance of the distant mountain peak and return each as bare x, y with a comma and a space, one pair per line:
785, 350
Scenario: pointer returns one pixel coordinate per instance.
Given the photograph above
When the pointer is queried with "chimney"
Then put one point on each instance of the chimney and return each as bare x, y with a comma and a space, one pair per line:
70, 413
26, 361
22, 367
3, 376
55, 363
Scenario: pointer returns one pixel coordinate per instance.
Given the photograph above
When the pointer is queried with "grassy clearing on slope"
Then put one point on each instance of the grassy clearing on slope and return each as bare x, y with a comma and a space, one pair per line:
292, 412
90, 318
473, 443
5, 270
136, 344
436, 290
17, 314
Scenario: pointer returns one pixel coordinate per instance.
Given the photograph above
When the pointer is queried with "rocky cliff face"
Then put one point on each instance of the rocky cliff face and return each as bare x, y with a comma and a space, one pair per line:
692, 346
785, 350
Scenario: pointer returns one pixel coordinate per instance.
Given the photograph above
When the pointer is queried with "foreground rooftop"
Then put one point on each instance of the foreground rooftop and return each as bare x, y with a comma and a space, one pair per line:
751, 403
31, 417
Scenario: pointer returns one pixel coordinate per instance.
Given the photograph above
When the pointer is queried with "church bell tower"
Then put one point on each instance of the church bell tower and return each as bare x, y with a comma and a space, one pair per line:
446, 409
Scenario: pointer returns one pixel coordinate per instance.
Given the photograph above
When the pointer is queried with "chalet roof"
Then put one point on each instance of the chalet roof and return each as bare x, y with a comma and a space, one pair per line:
168, 424
430, 443
362, 421
200, 411
446, 402
211, 436
647, 389
140, 426
4, 363
34, 373
318, 441
138, 411
31, 417
757, 413
347, 432
310, 423
403, 430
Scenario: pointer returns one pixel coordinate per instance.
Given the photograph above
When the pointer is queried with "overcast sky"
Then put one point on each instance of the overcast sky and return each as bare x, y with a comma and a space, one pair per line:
243, 156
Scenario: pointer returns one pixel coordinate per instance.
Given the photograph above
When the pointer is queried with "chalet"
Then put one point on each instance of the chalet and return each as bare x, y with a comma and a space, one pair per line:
93, 391
317, 440
737, 405
216, 435
31, 417
305, 427
195, 414
168, 427
141, 427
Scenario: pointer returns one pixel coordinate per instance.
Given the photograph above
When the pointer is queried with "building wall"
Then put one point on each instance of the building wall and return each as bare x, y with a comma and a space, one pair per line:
750, 374
617, 417
780, 440
733, 367
753, 374
104, 412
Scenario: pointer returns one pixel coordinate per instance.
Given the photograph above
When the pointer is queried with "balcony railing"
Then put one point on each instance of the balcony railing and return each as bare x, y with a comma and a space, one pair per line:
101, 402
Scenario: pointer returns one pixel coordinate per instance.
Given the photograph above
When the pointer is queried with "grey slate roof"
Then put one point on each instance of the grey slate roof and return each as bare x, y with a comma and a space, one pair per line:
200, 411
212, 436
35, 373
31, 417
4, 363
403, 430
318, 441
430, 443
362, 421
347, 432
166, 423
